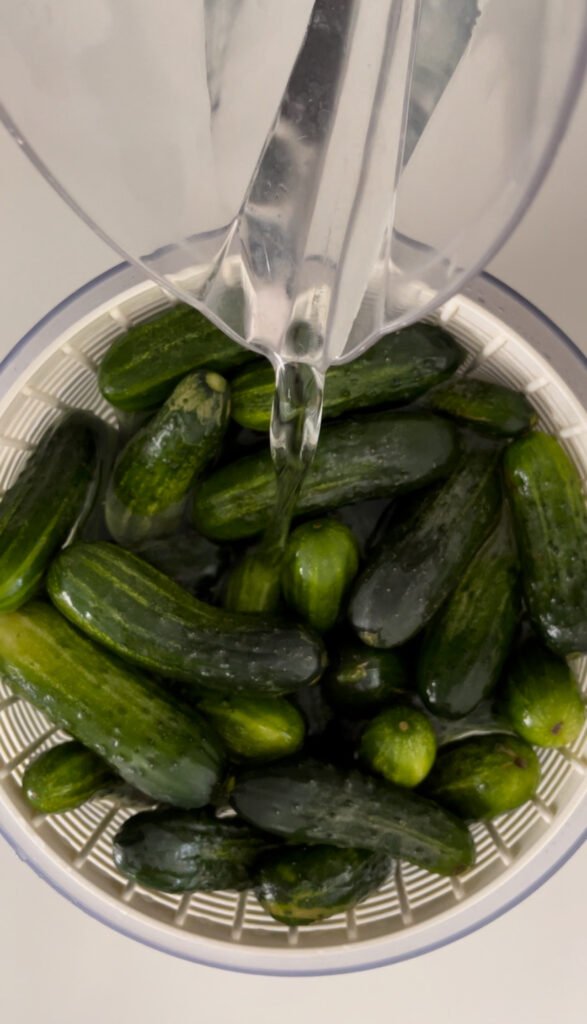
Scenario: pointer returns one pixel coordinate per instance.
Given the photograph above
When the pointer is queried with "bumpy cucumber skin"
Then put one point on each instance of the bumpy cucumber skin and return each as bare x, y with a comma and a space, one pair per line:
141, 368
302, 884
256, 728
320, 562
361, 677
144, 617
317, 803
541, 697
367, 457
155, 470
66, 776
254, 584
183, 851
422, 559
112, 709
484, 776
399, 368
465, 647
40, 508
550, 520
487, 406
400, 744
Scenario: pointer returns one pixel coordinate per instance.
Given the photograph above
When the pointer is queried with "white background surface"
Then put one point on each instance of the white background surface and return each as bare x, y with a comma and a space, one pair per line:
57, 965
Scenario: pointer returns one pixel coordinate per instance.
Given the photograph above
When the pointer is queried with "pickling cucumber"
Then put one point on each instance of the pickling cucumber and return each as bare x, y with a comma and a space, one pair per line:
466, 645
399, 368
317, 803
111, 708
142, 367
194, 562
255, 728
484, 776
422, 559
321, 560
541, 697
400, 744
155, 470
141, 615
65, 777
40, 508
366, 457
302, 884
361, 677
183, 851
485, 405
550, 520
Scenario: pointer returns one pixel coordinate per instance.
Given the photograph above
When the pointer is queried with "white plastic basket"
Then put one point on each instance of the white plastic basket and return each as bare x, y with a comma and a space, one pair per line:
54, 368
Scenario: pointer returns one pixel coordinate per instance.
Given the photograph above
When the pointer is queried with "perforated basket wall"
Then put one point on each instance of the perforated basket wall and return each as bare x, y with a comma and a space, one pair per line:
73, 849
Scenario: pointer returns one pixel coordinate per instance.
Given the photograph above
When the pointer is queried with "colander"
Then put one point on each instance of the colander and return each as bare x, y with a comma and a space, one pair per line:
54, 368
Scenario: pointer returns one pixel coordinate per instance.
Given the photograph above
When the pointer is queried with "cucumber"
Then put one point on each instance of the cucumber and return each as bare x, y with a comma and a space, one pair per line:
194, 562
550, 520
484, 776
541, 697
363, 678
399, 744
486, 406
364, 518
317, 803
141, 368
398, 368
320, 562
303, 884
142, 616
92, 523
422, 558
256, 728
254, 584
314, 708
466, 645
183, 851
65, 777
112, 709
153, 473
40, 508
367, 457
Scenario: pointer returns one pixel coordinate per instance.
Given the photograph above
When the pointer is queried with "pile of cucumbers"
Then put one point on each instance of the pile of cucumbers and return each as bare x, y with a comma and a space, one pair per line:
294, 724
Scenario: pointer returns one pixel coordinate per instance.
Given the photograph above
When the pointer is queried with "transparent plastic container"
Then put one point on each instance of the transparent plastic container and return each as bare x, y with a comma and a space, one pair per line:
346, 164
54, 368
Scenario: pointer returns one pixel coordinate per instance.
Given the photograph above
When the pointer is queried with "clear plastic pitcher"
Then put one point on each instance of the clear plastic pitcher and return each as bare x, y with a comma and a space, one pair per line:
310, 174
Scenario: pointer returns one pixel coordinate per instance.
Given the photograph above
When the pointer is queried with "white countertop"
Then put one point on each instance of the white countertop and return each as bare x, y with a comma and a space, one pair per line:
61, 967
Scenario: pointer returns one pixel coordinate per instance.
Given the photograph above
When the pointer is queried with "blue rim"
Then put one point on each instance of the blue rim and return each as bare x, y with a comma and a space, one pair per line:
109, 275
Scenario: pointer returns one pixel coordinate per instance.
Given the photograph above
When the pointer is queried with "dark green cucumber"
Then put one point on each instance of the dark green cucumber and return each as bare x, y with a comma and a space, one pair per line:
541, 697
423, 558
112, 709
40, 508
367, 457
484, 776
550, 520
487, 406
302, 884
256, 728
65, 777
399, 744
155, 470
465, 647
399, 368
320, 562
141, 368
92, 523
361, 677
317, 803
183, 851
364, 519
253, 584
314, 708
142, 616
194, 562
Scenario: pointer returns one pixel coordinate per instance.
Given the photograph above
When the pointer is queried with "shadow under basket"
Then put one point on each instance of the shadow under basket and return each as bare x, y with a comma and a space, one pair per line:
53, 369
